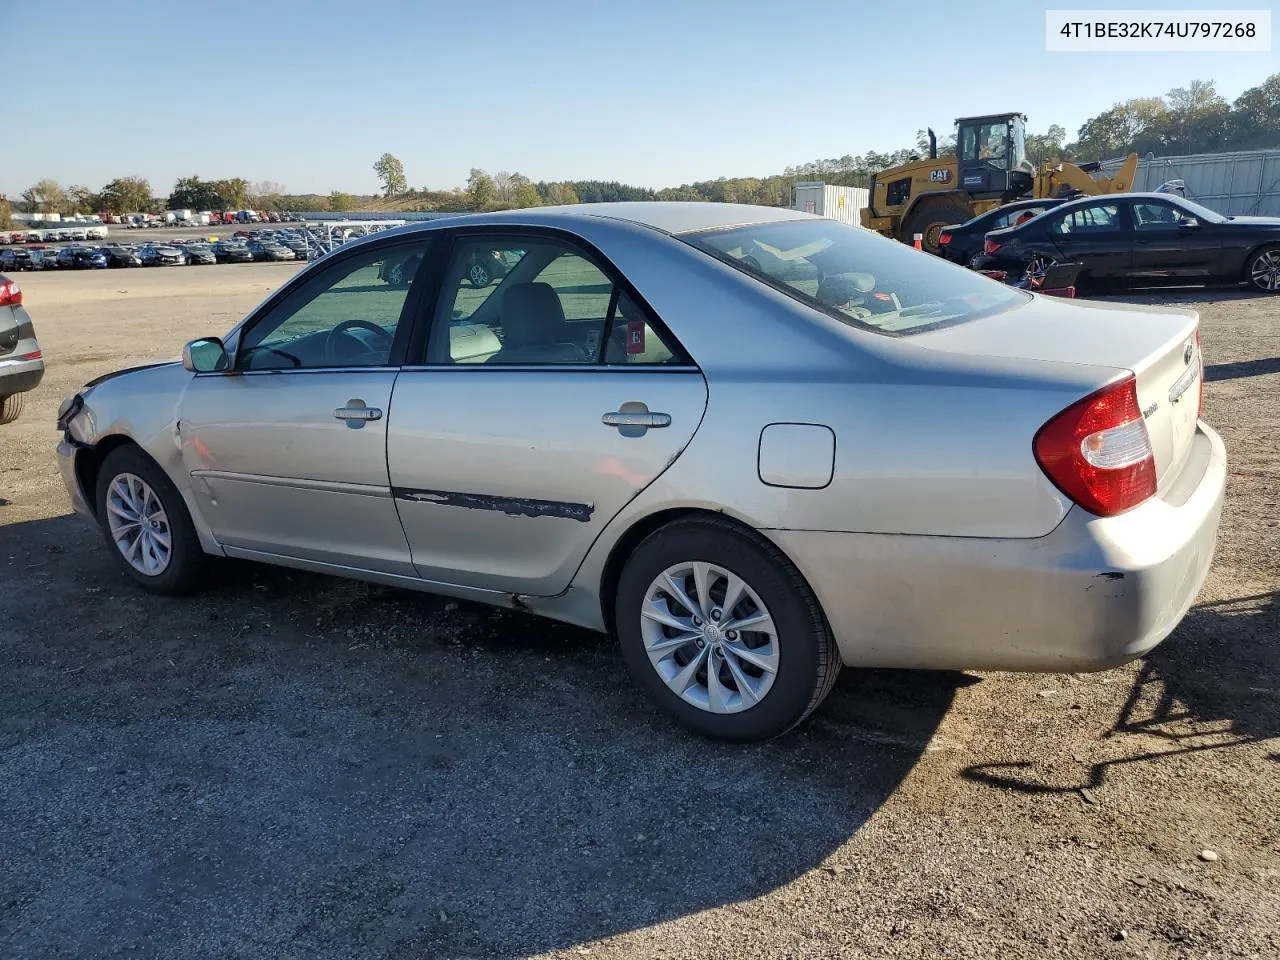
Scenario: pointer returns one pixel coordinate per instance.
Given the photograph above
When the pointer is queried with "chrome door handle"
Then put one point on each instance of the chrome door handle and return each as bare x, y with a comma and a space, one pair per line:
634, 419
357, 413
645, 420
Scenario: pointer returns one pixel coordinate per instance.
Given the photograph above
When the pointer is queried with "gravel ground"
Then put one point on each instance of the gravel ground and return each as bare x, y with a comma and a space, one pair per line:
293, 766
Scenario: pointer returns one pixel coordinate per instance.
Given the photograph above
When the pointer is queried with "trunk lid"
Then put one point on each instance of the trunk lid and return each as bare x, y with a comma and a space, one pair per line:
1157, 344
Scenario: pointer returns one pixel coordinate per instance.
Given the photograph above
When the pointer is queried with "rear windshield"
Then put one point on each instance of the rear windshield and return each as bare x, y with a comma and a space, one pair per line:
857, 276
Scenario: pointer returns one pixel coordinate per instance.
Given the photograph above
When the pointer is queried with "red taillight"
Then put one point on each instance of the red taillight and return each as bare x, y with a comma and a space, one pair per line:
33, 355
1200, 360
944, 238
1097, 451
990, 246
10, 294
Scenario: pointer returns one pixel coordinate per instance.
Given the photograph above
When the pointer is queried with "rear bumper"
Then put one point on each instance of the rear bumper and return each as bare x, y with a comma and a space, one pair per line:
19, 376
1093, 594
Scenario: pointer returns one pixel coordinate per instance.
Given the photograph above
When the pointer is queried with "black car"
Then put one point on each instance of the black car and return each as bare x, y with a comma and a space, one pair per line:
122, 257
11, 261
225, 251
199, 253
67, 257
1142, 239
961, 242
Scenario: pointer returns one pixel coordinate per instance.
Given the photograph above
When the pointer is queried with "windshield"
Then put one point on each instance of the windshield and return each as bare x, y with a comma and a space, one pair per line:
857, 277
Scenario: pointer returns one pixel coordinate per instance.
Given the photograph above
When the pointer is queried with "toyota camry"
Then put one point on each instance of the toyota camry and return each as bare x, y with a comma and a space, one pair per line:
753, 444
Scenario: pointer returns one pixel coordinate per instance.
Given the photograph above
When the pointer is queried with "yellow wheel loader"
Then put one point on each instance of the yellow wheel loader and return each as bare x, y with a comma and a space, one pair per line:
990, 168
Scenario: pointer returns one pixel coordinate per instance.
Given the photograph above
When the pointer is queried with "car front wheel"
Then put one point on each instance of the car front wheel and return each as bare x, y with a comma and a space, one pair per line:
1263, 270
479, 275
722, 631
146, 523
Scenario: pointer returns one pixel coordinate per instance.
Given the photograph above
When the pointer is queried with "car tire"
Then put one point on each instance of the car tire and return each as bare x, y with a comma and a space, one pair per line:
799, 649
478, 274
10, 407
130, 478
928, 219
1262, 272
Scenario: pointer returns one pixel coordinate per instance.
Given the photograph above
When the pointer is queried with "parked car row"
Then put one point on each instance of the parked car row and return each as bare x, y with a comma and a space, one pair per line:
53, 235
1121, 240
172, 253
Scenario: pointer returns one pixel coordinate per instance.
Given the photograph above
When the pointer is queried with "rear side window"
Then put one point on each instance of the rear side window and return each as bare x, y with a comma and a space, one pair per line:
858, 277
1100, 218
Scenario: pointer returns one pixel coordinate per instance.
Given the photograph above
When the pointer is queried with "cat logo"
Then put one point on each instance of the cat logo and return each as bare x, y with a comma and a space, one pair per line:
940, 176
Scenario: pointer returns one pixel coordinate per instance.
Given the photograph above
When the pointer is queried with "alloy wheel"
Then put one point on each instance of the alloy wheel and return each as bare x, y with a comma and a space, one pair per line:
1265, 273
138, 524
478, 275
709, 636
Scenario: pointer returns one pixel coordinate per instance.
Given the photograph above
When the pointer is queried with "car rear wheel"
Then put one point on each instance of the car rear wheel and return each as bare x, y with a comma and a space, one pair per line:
1263, 270
146, 523
722, 631
10, 407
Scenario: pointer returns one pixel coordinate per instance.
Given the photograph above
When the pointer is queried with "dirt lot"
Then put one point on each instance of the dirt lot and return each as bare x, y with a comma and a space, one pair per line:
292, 766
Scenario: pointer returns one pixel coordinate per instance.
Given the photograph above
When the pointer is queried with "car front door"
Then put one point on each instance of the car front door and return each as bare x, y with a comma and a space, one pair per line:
287, 451
1169, 242
1098, 236
547, 400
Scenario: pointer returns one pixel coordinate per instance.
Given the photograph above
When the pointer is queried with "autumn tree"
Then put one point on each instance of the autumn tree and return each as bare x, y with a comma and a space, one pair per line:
558, 194
391, 172
6, 213
45, 196
339, 201
80, 199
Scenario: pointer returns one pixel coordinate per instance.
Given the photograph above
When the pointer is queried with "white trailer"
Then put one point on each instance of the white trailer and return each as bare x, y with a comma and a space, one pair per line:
835, 203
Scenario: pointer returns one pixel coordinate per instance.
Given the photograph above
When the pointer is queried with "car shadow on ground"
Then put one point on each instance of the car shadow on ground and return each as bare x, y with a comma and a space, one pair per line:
1242, 368
295, 766
1212, 685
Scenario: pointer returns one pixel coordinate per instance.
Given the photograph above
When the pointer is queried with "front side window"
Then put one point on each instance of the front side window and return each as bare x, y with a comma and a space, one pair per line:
858, 277
1089, 220
538, 301
346, 316
1155, 215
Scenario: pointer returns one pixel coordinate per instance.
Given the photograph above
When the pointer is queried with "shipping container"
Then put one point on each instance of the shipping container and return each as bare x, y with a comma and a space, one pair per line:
836, 203
1243, 183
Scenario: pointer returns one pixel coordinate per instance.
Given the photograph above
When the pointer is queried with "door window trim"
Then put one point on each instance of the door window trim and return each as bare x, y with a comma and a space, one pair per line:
429, 319
313, 277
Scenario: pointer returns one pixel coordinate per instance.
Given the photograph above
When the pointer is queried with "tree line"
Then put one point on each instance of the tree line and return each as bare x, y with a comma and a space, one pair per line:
1191, 119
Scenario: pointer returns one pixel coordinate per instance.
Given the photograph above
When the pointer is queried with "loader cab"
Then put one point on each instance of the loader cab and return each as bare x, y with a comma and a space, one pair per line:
991, 152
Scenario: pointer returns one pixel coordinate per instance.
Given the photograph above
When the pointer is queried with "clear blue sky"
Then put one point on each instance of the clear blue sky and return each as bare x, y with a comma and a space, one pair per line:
653, 92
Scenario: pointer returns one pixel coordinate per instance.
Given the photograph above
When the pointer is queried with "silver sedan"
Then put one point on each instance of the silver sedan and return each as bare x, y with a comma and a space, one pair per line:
753, 443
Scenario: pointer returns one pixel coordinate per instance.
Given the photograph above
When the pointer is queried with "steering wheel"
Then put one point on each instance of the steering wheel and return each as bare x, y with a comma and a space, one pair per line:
332, 348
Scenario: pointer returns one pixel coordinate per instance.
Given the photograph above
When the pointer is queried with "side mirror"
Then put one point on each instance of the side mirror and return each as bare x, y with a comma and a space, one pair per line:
206, 355
1191, 223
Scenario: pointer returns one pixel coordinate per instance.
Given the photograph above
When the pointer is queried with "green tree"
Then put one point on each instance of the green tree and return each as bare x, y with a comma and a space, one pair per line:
559, 194
1255, 116
339, 201
126, 195
1047, 145
391, 172
481, 192
523, 191
45, 196
80, 199
192, 193
231, 194
6, 213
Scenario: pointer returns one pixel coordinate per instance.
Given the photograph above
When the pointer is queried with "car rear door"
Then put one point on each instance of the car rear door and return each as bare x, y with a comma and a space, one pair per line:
544, 403
287, 452
1097, 235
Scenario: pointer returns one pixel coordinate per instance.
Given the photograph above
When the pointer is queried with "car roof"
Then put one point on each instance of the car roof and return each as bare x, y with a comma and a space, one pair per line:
668, 216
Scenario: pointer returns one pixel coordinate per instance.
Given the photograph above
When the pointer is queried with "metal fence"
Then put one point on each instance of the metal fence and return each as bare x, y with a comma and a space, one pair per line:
1246, 183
